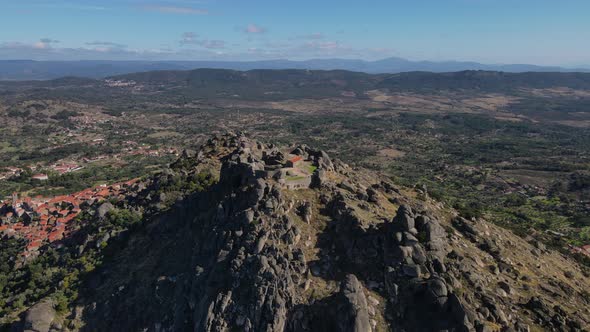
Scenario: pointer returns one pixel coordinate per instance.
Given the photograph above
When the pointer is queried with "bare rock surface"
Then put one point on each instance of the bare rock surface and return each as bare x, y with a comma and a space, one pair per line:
351, 252
39, 317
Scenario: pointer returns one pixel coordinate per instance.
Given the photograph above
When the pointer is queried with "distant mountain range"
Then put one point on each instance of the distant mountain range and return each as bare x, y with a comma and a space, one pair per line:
43, 70
275, 84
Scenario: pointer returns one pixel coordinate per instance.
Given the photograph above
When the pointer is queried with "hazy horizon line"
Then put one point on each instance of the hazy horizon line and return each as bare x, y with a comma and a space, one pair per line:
565, 66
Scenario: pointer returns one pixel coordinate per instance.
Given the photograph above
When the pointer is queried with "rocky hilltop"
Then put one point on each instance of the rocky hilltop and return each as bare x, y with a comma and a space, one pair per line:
289, 239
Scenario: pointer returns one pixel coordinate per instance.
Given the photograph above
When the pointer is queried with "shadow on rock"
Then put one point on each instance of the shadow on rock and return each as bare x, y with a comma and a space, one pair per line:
402, 260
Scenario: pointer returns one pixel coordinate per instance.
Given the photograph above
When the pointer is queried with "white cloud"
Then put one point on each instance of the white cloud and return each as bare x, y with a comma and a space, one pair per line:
324, 45
191, 38
213, 44
254, 29
48, 41
192, 46
188, 38
43, 43
106, 44
40, 45
315, 49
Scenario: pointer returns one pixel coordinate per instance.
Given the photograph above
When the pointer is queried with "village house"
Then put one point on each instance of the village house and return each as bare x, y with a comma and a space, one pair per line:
42, 220
583, 250
66, 168
10, 172
296, 183
294, 161
40, 177
293, 174
97, 158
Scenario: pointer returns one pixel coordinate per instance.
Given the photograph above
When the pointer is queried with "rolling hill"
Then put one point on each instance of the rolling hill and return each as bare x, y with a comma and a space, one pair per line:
42, 70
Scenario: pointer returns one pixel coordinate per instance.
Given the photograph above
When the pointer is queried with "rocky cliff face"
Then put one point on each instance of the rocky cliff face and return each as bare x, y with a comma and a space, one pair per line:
352, 253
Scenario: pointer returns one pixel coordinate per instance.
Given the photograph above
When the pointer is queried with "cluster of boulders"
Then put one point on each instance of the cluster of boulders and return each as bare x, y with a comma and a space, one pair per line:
246, 264
416, 248
318, 157
251, 244
492, 302
269, 270
411, 250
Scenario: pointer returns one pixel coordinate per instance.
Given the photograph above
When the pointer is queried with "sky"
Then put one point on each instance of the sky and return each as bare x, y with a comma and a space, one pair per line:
543, 32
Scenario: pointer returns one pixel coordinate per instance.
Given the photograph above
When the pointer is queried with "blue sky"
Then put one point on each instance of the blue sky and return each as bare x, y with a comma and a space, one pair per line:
555, 32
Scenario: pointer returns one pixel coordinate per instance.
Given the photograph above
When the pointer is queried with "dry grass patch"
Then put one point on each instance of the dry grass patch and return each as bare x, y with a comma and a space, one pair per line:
391, 153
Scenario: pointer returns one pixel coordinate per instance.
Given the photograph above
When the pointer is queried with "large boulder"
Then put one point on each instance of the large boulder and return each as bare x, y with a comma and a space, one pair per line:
103, 209
321, 158
353, 315
39, 317
319, 178
405, 218
306, 211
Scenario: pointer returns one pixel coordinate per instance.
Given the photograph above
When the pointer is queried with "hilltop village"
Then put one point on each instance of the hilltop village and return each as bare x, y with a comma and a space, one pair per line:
297, 215
48, 220
42, 220
59, 168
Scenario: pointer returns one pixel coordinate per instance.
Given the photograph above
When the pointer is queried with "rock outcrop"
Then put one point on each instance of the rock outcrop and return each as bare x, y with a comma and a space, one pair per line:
39, 318
351, 253
352, 314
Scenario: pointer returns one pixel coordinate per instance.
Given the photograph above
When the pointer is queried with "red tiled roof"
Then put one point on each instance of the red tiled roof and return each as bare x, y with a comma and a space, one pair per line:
103, 193
55, 235
296, 159
36, 243
68, 218
130, 182
55, 223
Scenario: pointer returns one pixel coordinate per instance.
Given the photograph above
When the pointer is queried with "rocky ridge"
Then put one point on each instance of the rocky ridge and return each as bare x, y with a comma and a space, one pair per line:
353, 252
